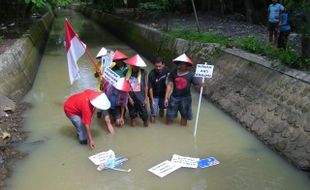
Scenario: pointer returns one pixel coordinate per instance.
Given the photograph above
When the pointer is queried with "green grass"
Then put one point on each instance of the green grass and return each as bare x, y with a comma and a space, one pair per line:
201, 37
250, 43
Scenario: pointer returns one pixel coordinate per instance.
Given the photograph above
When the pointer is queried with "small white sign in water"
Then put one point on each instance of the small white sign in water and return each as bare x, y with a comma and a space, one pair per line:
102, 157
164, 168
186, 162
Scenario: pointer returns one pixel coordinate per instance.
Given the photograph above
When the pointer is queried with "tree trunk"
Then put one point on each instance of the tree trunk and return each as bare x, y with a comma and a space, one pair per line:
222, 6
305, 44
249, 10
204, 5
28, 10
230, 6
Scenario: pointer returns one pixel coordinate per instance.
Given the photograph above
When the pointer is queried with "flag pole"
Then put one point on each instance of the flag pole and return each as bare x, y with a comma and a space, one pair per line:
87, 52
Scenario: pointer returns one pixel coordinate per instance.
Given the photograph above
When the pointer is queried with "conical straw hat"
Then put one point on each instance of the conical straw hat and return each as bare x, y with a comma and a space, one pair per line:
102, 52
119, 56
183, 58
100, 101
136, 61
123, 85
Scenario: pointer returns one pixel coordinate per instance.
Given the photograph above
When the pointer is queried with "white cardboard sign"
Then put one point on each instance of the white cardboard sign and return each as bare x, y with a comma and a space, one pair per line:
102, 157
204, 70
111, 76
186, 162
106, 60
164, 168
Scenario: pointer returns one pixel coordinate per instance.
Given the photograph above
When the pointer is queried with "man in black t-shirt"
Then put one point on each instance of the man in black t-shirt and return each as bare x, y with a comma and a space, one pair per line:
180, 99
157, 88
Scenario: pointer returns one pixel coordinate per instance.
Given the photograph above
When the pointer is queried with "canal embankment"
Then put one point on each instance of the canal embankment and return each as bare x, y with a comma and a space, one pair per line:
19, 64
271, 102
18, 68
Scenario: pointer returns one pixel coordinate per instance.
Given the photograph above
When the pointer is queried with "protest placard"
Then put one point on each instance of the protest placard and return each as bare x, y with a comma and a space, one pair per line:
110, 76
204, 70
186, 162
164, 168
102, 157
106, 61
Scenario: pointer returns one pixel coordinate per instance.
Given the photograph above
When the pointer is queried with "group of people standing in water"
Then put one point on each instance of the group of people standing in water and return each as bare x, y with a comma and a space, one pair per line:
135, 91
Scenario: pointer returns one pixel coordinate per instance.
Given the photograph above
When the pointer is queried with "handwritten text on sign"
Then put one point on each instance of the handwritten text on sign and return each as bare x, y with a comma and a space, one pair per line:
204, 70
164, 168
110, 76
187, 162
102, 157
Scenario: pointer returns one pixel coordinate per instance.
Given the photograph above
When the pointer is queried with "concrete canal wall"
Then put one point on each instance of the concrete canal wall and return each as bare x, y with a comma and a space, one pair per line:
274, 104
19, 64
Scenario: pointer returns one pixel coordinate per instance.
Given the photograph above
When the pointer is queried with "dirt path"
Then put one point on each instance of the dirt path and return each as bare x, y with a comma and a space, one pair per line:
11, 134
231, 26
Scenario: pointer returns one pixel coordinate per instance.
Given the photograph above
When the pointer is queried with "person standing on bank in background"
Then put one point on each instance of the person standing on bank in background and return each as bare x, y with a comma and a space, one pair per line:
274, 11
285, 30
80, 107
180, 99
157, 88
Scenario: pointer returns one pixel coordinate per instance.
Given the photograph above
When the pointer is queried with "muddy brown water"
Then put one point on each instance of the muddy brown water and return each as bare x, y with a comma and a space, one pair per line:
59, 162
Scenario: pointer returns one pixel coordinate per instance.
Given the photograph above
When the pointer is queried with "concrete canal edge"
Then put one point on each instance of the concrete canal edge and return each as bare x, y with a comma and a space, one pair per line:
19, 64
272, 103
18, 68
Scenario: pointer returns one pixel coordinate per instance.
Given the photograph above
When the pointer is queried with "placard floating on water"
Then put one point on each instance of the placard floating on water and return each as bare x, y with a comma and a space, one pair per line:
164, 168
186, 162
102, 157
211, 161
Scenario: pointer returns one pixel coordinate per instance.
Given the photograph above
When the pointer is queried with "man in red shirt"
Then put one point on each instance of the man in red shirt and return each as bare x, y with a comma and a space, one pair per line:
80, 108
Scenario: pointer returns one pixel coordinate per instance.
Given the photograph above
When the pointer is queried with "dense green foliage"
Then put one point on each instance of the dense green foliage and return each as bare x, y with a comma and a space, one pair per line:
12, 10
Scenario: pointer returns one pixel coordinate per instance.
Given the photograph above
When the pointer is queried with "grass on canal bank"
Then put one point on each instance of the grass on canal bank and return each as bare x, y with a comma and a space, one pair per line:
249, 43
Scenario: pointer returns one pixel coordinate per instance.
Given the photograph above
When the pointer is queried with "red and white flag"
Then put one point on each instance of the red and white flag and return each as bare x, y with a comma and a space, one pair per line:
75, 49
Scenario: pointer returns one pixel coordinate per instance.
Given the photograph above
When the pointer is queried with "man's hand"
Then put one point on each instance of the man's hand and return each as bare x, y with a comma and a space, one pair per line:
145, 101
153, 104
96, 74
91, 144
131, 101
120, 121
166, 102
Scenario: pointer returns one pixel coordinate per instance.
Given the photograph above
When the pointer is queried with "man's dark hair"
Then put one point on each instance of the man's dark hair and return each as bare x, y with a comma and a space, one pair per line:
159, 59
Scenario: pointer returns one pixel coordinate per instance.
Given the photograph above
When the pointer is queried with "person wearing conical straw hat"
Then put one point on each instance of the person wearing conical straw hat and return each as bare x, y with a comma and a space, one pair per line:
80, 107
180, 99
138, 95
102, 83
98, 70
118, 96
119, 65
